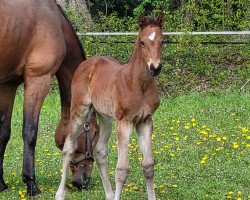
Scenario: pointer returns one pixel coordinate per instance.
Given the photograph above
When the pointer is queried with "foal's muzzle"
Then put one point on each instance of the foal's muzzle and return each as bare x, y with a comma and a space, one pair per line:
155, 69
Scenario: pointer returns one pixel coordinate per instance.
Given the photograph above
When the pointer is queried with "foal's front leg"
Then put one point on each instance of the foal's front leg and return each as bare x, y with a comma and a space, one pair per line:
144, 131
101, 153
123, 131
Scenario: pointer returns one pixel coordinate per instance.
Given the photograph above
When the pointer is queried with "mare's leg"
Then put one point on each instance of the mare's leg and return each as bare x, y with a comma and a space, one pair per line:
80, 112
36, 89
101, 153
64, 77
123, 131
144, 131
7, 97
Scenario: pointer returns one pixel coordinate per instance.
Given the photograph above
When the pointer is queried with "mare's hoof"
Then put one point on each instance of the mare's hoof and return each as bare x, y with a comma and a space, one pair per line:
32, 189
3, 186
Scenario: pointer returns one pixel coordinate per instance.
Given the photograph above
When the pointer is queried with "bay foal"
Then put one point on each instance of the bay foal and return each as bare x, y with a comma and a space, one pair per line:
124, 93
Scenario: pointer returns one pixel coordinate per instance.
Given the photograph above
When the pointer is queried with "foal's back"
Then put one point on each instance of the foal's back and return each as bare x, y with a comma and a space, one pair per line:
97, 77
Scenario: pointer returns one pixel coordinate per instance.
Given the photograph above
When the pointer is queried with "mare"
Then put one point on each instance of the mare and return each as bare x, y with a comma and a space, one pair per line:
36, 42
82, 163
124, 93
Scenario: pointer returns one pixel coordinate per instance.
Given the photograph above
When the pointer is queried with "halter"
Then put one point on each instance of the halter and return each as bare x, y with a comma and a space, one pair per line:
88, 153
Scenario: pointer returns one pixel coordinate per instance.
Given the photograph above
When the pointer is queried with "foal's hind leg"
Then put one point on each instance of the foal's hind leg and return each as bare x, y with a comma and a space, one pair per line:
7, 97
80, 112
101, 153
123, 131
144, 130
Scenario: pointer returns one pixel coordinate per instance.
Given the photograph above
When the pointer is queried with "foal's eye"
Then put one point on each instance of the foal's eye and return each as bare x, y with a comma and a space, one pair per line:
142, 43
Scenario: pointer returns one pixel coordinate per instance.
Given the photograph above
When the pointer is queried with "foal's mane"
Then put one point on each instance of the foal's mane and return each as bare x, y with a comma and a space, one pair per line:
149, 21
73, 30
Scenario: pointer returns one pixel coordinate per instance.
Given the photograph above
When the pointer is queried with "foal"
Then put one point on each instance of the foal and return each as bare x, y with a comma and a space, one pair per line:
124, 93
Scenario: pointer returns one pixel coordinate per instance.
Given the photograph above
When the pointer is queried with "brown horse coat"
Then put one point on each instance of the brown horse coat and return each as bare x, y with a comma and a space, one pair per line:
124, 93
36, 42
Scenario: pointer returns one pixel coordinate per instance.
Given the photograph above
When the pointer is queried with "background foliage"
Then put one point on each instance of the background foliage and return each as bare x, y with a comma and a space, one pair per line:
192, 63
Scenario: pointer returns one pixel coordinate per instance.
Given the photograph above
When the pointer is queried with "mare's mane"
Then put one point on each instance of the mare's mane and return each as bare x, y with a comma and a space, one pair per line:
73, 30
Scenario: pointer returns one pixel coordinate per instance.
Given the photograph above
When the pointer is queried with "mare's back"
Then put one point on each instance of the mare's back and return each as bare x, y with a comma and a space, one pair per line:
23, 27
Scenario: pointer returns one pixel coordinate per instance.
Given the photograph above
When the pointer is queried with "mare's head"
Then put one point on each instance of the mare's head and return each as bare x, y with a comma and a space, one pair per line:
82, 162
151, 39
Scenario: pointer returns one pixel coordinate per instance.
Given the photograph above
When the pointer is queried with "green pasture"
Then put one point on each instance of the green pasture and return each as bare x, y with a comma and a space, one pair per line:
201, 145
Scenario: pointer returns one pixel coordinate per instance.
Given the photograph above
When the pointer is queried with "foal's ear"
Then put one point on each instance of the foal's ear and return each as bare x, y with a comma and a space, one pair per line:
142, 20
160, 19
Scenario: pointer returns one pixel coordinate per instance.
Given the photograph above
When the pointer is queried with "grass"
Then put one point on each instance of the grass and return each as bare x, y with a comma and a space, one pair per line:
201, 146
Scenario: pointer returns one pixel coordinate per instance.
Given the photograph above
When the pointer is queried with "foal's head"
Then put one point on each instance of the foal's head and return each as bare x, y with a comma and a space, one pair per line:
151, 40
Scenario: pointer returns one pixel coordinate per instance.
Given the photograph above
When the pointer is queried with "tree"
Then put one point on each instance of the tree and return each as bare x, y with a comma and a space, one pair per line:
78, 12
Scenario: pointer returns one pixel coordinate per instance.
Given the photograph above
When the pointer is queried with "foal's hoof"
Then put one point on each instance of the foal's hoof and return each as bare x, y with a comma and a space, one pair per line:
32, 189
3, 186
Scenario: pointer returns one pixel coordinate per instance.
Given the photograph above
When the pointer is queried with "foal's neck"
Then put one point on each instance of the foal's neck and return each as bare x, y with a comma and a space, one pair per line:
138, 68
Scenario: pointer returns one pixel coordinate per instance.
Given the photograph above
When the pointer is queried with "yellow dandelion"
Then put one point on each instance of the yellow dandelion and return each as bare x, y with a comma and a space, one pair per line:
235, 145
20, 193
218, 149
187, 126
193, 120
244, 130
174, 186
203, 132
135, 187
202, 161
218, 139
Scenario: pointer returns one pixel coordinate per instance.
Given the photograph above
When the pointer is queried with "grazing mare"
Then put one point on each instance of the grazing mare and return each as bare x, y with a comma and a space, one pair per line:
36, 42
124, 93
82, 162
